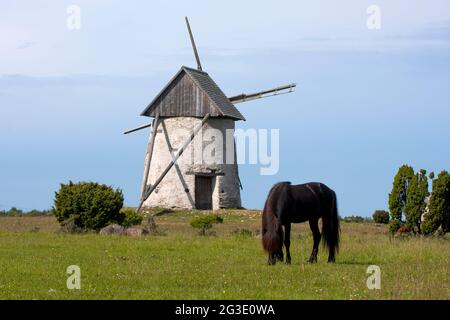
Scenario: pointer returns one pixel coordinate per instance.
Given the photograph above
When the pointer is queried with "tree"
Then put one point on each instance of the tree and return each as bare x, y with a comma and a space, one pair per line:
416, 193
439, 207
381, 216
398, 196
14, 212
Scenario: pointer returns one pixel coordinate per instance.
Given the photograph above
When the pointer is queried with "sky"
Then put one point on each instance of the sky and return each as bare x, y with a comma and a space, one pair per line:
367, 100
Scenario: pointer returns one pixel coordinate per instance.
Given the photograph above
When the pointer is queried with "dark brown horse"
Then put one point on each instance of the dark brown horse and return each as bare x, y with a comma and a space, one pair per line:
288, 204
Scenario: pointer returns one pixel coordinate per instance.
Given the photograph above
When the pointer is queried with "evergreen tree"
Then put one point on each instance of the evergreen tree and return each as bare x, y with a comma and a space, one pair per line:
439, 206
416, 193
398, 196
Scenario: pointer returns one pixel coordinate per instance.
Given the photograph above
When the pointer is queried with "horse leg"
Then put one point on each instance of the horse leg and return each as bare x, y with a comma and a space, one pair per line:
313, 224
287, 242
279, 254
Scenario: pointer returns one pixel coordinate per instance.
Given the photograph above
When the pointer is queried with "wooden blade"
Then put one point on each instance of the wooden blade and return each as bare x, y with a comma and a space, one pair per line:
263, 94
194, 47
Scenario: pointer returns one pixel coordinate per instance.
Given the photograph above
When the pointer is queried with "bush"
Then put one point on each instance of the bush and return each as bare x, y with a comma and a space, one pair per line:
381, 216
129, 217
205, 223
354, 219
89, 204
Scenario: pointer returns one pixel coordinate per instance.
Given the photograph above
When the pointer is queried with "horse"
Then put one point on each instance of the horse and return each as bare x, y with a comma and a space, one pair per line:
288, 204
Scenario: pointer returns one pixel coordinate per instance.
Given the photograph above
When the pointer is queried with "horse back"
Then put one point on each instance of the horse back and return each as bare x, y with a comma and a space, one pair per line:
307, 200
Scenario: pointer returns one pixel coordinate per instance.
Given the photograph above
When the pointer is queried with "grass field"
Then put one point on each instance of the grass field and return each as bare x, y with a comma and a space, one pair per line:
34, 256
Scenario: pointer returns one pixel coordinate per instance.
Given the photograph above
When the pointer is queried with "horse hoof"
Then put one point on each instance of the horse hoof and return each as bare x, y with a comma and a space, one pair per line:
288, 262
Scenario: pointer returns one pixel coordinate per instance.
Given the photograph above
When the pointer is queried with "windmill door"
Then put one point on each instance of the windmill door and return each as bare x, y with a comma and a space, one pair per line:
203, 192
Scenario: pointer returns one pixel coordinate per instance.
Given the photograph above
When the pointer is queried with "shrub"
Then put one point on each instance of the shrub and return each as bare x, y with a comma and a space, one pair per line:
129, 217
205, 223
35, 212
89, 204
354, 219
381, 216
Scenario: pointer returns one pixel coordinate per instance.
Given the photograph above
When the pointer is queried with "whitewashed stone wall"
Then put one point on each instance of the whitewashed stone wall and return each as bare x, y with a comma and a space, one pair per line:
177, 189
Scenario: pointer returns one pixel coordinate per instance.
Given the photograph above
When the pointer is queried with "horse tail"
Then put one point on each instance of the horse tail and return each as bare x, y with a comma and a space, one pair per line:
272, 231
330, 228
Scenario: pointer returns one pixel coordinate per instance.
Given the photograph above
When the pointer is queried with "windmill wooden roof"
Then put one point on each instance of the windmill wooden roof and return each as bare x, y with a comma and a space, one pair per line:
192, 93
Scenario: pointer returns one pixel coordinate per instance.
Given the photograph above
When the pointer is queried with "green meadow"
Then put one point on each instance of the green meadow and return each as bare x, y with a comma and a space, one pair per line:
34, 256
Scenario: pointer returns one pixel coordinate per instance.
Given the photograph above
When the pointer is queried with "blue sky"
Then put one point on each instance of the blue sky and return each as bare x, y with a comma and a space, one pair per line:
367, 101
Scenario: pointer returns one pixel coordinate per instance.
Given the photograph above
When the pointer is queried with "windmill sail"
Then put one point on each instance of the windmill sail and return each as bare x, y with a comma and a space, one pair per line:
194, 47
263, 94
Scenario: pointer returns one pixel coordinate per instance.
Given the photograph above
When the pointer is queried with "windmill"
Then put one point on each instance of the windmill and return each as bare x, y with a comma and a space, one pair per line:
190, 104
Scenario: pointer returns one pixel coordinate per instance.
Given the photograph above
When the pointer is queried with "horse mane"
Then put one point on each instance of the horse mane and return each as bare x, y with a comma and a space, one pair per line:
272, 231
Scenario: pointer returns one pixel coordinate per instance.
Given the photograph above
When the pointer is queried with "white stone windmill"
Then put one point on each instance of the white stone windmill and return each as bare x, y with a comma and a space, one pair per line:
190, 161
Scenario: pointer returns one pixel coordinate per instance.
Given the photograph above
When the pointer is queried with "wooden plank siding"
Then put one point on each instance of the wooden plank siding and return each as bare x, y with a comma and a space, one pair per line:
192, 93
183, 98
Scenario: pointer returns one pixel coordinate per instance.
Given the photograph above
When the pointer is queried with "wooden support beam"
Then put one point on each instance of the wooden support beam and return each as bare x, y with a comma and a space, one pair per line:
174, 160
148, 155
237, 166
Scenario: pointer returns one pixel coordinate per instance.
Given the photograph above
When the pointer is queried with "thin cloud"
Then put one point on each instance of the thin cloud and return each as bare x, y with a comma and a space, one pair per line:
26, 45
